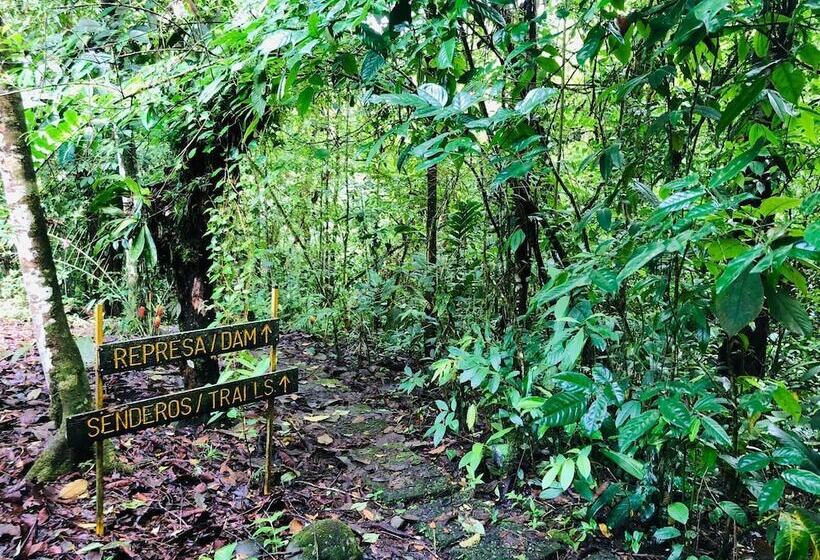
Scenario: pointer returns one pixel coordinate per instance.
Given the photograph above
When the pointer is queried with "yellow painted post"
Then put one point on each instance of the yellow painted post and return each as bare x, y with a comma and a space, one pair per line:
274, 310
98, 446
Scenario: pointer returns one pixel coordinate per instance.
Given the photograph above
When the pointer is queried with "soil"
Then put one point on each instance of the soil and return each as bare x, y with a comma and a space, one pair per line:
348, 446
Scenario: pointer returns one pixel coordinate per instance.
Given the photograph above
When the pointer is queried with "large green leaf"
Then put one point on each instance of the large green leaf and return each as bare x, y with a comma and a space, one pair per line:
738, 164
592, 44
515, 170
790, 313
715, 431
789, 81
752, 462
735, 268
636, 427
444, 59
594, 416
679, 512
629, 464
734, 511
533, 99
563, 409
803, 479
675, 412
746, 96
640, 258
740, 304
770, 494
792, 541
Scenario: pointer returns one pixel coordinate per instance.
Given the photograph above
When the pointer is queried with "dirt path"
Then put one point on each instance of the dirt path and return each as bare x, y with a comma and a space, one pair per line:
349, 446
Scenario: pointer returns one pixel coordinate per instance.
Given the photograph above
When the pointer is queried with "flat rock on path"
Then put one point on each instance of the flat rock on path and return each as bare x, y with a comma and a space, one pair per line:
347, 447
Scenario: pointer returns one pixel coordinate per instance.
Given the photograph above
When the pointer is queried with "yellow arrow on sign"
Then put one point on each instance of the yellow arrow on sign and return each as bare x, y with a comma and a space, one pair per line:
284, 382
266, 332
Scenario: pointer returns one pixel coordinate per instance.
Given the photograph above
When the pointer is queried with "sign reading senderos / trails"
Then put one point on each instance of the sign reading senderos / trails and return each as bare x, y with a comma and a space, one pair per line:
108, 422
113, 421
157, 350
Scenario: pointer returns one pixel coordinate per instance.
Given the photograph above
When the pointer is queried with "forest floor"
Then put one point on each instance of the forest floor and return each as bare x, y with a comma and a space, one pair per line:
349, 445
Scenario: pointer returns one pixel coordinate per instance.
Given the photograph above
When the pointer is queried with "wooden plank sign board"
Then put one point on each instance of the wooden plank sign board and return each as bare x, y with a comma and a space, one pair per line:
107, 422
116, 420
157, 350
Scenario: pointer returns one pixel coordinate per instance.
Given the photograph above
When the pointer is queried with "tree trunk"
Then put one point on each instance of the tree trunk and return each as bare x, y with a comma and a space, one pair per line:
127, 164
61, 360
190, 262
432, 258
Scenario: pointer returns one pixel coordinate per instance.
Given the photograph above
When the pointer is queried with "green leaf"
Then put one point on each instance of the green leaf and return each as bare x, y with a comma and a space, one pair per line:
515, 170
788, 402
715, 431
679, 512
777, 204
770, 494
812, 234
135, 251
594, 417
790, 313
572, 351
640, 258
637, 427
533, 99
304, 100
472, 412
592, 44
740, 304
433, 94
737, 165
788, 81
530, 403
752, 462
371, 65
444, 59
516, 239
706, 12
735, 268
734, 511
226, 552
610, 158
567, 474
628, 464
210, 90
803, 479
563, 409
604, 279
666, 533
747, 96
792, 540
675, 412
473, 458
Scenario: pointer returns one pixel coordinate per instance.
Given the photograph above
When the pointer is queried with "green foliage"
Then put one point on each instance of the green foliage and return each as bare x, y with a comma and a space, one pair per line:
623, 285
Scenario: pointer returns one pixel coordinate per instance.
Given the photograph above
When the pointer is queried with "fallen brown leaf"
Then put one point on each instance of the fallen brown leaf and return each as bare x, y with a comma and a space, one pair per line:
73, 489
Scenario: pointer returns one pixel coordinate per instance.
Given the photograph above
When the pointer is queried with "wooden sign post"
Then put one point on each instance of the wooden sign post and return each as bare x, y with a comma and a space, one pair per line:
107, 422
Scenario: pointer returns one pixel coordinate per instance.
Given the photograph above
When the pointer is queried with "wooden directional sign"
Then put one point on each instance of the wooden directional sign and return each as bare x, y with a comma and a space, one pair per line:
157, 350
116, 420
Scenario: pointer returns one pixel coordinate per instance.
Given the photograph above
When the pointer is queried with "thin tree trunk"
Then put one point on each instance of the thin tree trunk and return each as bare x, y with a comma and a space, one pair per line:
127, 164
432, 258
61, 360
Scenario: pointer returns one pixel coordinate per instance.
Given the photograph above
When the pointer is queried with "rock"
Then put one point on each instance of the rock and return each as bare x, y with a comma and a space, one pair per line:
397, 522
327, 539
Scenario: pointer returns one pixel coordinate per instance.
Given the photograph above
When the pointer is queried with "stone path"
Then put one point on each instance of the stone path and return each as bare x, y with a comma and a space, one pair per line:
414, 494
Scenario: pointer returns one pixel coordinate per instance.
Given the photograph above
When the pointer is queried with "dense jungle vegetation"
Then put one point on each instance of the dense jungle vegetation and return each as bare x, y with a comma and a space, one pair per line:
588, 230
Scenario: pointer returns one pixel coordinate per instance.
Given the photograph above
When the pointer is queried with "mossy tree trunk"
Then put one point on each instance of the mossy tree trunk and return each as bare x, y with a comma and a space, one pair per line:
62, 363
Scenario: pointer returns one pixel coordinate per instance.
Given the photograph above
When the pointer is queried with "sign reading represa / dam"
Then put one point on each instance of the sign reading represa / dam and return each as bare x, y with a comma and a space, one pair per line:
157, 350
117, 420
114, 357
